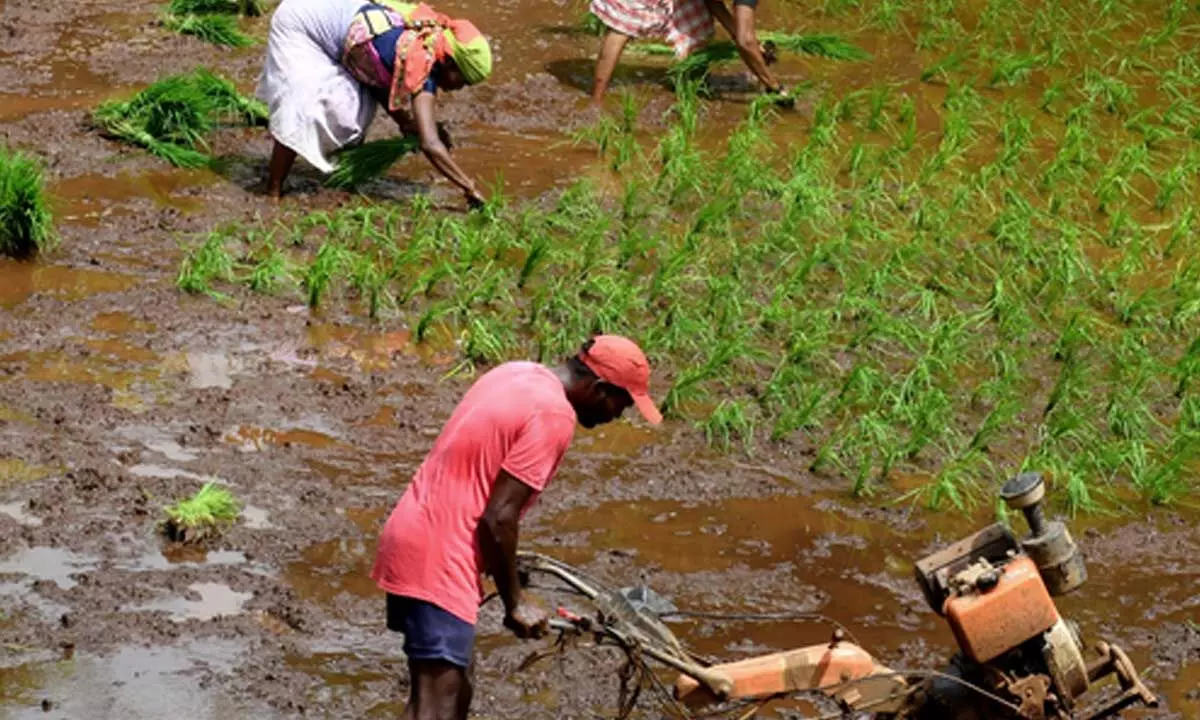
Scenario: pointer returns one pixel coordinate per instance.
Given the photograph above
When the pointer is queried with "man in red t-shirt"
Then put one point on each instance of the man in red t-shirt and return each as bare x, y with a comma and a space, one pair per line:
459, 516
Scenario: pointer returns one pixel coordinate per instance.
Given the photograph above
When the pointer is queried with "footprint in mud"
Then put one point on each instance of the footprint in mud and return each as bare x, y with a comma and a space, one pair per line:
133, 683
215, 600
45, 563
16, 511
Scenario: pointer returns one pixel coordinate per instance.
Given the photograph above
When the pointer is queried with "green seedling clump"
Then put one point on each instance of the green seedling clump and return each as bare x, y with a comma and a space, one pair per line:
171, 118
214, 21
201, 515
26, 226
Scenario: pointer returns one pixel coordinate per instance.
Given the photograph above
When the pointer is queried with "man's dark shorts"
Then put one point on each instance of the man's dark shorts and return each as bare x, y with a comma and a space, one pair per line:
747, 3
430, 633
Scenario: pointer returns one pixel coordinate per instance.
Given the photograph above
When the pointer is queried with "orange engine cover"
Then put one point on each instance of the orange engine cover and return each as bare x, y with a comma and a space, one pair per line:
989, 624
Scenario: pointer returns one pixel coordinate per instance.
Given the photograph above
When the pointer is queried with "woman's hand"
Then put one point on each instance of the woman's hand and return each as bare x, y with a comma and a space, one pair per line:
475, 199
435, 148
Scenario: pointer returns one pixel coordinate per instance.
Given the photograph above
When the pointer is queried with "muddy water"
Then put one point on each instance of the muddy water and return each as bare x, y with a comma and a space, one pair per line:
320, 473
19, 281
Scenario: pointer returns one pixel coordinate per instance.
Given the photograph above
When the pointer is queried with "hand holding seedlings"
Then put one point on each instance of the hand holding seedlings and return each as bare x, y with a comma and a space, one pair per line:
475, 200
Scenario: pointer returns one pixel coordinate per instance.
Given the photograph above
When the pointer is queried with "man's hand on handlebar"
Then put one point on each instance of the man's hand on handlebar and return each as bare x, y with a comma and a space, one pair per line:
527, 621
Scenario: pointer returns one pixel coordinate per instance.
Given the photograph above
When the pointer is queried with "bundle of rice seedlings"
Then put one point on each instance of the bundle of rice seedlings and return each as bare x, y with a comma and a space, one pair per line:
171, 117
356, 165
248, 8
25, 221
834, 47
592, 25
216, 29
213, 21
201, 515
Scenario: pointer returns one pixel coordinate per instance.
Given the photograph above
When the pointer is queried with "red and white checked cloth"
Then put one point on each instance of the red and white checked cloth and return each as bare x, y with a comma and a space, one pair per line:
687, 24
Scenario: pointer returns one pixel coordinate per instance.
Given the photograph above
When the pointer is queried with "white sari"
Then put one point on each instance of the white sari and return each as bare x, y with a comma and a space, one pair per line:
316, 106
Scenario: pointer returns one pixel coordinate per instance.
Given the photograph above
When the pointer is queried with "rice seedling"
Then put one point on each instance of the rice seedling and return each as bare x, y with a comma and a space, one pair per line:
941, 28
26, 224
331, 259
1171, 183
193, 519
1171, 477
1114, 181
1011, 69
213, 21
886, 13
730, 421
272, 271
697, 64
1180, 232
200, 267
487, 342
834, 8
216, 29
1054, 93
171, 117
589, 24
372, 281
1016, 134
1113, 94
248, 8
1187, 369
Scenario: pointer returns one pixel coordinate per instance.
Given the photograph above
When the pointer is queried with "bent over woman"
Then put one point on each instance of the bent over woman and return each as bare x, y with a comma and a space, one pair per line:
330, 62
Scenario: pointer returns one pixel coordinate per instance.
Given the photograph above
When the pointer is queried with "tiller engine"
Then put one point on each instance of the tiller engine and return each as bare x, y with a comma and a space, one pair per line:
1018, 657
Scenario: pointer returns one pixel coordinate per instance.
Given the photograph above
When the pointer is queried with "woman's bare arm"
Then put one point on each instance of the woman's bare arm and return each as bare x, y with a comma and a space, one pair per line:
437, 152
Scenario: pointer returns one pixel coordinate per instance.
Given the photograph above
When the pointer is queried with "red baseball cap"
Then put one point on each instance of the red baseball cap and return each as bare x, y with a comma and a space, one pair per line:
619, 361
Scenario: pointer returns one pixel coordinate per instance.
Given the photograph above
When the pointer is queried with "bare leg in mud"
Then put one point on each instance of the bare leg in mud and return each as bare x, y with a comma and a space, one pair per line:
610, 53
282, 158
740, 26
440, 691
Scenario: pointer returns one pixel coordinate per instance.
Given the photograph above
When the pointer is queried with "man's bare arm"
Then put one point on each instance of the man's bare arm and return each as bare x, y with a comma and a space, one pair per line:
498, 532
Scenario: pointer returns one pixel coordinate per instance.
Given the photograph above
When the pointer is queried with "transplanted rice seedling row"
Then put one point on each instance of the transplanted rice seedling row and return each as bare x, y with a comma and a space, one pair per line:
1017, 287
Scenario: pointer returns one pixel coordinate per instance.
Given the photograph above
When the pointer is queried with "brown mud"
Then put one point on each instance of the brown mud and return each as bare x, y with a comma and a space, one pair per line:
119, 395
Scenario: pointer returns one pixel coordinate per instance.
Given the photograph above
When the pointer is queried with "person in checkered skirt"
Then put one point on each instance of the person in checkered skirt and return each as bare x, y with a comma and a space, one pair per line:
686, 24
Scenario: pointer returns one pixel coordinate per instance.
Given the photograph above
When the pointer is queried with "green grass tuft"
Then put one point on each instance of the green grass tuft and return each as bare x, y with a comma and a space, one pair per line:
26, 225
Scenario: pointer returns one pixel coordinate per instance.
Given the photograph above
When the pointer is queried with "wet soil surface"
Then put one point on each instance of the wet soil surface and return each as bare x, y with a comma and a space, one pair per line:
119, 395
